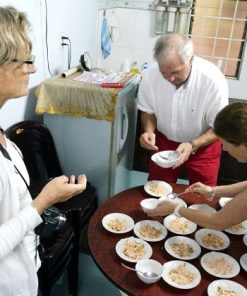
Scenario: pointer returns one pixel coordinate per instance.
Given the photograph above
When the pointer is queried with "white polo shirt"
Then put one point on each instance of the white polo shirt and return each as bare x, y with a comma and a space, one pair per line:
185, 113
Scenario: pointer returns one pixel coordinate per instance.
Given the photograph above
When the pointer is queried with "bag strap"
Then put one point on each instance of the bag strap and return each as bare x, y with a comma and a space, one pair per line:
7, 156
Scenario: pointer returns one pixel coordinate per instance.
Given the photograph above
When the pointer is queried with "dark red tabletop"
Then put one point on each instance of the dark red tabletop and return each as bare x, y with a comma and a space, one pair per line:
102, 246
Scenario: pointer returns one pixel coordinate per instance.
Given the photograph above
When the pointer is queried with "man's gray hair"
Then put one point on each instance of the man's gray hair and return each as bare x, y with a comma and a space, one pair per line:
174, 44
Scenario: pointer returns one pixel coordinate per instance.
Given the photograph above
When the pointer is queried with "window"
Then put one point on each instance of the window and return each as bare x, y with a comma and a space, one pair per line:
218, 30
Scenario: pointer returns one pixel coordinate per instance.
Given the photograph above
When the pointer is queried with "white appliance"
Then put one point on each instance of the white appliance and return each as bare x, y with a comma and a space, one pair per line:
102, 150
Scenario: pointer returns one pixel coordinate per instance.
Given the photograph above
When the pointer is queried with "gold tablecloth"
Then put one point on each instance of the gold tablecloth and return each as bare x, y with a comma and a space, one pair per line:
65, 96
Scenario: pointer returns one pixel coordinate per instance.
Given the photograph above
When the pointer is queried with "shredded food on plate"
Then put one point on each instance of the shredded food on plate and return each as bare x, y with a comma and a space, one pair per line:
118, 224
213, 240
134, 250
180, 225
148, 231
219, 266
182, 249
236, 228
225, 292
156, 189
181, 275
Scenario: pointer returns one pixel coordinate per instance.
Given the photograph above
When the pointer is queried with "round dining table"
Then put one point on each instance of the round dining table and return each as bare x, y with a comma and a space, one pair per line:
102, 245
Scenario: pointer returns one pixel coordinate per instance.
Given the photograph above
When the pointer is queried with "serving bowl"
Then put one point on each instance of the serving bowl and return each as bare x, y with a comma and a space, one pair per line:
166, 159
149, 203
149, 265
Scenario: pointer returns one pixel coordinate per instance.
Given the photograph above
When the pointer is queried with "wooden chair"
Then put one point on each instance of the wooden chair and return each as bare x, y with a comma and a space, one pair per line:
62, 250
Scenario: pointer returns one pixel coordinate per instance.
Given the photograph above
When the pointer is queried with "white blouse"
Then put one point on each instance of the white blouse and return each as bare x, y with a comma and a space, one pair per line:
17, 220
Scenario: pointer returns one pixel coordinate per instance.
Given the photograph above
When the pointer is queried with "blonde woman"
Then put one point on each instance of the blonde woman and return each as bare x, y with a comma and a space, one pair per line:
19, 214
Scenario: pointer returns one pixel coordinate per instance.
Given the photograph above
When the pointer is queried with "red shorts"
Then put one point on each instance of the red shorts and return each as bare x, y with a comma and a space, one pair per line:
202, 167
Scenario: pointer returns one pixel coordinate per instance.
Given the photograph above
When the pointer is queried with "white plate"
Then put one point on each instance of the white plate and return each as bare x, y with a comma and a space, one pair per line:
211, 256
157, 225
129, 222
157, 188
190, 227
224, 200
245, 239
195, 248
226, 285
203, 207
240, 231
243, 261
176, 200
120, 246
169, 266
200, 234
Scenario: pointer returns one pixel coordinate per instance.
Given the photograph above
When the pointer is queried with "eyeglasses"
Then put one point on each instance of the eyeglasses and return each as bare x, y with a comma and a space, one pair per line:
29, 63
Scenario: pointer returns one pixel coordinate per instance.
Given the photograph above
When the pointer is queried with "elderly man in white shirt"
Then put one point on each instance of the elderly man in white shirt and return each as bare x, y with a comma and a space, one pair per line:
179, 99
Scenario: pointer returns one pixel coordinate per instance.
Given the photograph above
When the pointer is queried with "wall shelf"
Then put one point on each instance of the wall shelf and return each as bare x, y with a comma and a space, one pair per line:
132, 4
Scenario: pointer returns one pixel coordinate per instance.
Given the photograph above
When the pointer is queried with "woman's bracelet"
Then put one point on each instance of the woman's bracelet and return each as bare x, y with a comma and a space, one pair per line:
213, 194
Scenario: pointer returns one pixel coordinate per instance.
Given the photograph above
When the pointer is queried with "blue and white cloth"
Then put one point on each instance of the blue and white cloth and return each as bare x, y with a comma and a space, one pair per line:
105, 39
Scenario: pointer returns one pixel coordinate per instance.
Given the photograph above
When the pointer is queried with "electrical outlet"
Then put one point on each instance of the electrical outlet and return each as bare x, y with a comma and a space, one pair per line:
62, 37
60, 41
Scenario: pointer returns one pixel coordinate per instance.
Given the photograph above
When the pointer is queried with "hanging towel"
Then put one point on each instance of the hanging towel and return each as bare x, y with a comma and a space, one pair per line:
105, 38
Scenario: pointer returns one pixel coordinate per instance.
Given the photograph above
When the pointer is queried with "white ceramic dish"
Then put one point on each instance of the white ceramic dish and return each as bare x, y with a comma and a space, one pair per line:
243, 261
205, 207
227, 285
238, 230
179, 225
170, 243
172, 157
149, 203
176, 200
224, 200
153, 226
245, 239
229, 261
157, 188
147, 265
121, 245
128, 222
173, 265
215, 237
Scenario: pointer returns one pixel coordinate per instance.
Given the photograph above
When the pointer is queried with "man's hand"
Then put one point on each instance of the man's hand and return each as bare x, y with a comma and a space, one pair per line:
184, 149
147, 141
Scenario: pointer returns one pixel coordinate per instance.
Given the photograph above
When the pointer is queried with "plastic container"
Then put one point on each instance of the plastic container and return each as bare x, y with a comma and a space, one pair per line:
125, 66
134, 68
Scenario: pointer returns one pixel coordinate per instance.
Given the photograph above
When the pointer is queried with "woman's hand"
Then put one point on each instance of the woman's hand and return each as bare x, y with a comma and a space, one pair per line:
57, 190
200, 189
163, 208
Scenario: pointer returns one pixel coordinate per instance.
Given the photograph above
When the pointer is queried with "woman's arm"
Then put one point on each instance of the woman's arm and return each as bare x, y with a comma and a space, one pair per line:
14, 230
232, 213
225, 190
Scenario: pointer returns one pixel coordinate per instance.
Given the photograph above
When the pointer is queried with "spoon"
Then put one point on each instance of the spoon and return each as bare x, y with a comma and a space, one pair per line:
147, 274
174, 195
163, 157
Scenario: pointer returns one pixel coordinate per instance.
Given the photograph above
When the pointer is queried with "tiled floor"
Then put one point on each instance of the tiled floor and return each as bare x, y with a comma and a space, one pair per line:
91, 281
